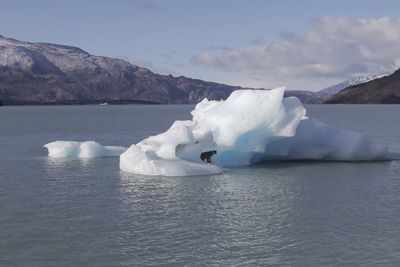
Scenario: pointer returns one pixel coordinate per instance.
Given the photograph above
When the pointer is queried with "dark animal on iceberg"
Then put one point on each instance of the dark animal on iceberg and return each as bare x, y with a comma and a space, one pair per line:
207, 155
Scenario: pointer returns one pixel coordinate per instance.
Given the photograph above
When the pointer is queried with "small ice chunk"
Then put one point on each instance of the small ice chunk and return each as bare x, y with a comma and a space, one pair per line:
87, 149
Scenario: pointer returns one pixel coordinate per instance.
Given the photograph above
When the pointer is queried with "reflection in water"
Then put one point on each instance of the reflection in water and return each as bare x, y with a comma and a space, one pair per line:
62, 163
212, 213
62, 212
278, 212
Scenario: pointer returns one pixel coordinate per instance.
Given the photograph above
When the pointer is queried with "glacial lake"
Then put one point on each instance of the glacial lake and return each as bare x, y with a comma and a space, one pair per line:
64, 212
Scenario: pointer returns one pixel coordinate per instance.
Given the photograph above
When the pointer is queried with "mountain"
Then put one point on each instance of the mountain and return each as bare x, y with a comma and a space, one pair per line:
44, 73
307, 97
382, 90
334, 89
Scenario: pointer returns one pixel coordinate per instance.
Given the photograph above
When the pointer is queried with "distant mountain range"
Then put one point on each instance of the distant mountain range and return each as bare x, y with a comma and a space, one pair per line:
381, 90
44, 73
334, 89
309, 97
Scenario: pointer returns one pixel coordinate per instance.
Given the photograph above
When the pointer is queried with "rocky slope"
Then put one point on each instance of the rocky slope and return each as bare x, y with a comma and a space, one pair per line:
383, 90
334, 89
43, 73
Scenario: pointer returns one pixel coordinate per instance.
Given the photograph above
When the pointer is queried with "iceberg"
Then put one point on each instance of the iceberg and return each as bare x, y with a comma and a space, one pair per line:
87, 149
249, 127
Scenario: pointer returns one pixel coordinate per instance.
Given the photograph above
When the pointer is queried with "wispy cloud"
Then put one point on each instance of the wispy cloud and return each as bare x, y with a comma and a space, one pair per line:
146, 4
251, 83
332, 47
218, 47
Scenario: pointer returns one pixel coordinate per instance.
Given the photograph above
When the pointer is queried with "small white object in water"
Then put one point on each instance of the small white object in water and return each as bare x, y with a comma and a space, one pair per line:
88, 149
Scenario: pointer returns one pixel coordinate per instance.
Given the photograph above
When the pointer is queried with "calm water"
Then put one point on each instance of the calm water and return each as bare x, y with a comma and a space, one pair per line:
88, 213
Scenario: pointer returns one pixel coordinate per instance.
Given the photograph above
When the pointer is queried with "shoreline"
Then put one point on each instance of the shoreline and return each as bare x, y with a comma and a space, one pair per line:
78, 102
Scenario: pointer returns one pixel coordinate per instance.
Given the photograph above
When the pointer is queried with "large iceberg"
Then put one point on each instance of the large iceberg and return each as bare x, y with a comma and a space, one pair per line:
249, 127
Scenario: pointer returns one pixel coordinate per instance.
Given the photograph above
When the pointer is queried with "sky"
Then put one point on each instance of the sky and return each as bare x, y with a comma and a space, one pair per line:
303, 45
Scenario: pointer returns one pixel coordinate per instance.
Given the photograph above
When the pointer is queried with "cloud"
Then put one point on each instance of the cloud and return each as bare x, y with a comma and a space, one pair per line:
251, 83
332, 47
146, 4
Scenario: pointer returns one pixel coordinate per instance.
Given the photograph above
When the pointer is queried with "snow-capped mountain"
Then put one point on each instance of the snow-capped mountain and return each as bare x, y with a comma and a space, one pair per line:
381, 90
334, 89
44, 73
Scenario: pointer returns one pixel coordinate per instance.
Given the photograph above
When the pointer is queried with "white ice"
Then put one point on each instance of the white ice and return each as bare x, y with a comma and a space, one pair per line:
88, 149
250, 126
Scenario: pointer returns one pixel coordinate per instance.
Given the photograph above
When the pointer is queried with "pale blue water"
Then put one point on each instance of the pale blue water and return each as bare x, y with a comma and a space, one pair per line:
88, 213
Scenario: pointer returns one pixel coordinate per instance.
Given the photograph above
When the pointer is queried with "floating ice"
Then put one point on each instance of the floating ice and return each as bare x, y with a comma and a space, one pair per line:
139, 161
88, 149
250, 126
318, 141
157, 155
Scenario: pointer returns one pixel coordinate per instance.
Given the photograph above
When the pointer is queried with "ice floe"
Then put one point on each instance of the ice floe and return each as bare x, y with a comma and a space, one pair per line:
87, 149
249, 127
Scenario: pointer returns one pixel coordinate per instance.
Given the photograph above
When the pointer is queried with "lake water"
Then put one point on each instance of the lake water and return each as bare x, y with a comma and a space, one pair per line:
88, 213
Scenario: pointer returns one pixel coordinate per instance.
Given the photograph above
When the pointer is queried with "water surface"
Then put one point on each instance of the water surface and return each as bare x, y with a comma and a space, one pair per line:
63, 212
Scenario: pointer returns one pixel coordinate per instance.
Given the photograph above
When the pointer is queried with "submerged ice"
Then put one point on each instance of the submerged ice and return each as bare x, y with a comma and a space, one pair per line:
249, 127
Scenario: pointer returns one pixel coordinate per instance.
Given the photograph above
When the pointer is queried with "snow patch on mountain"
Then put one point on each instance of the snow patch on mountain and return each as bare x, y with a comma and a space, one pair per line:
334, 89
